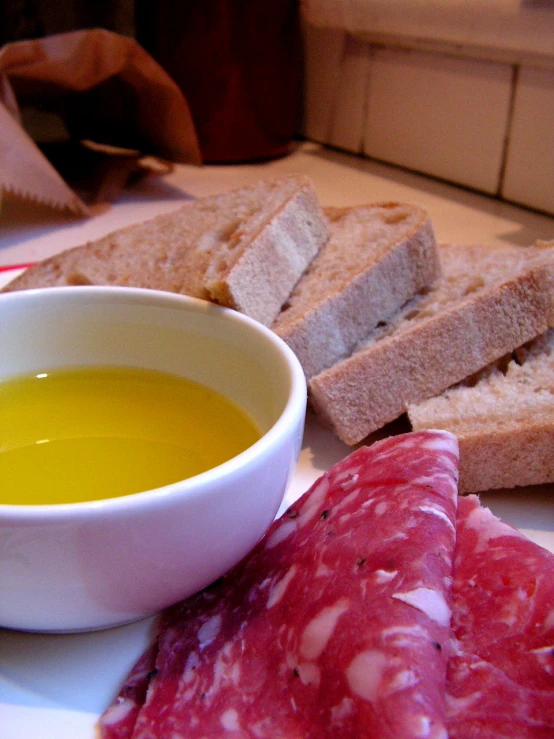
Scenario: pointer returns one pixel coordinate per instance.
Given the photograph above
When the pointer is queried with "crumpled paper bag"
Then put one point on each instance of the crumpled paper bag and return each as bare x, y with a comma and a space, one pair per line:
121, 114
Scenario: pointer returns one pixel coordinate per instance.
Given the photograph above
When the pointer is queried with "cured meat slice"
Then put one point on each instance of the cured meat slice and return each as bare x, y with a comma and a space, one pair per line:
501, 677
336, 625
119, 720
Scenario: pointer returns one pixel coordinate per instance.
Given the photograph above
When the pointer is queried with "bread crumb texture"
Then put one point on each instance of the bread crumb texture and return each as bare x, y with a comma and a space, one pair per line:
377, 257
489, 301
517, 389
197, 249
503, 417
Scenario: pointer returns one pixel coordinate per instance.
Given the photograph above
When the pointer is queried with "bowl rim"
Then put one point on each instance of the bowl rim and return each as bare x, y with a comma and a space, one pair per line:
197, 485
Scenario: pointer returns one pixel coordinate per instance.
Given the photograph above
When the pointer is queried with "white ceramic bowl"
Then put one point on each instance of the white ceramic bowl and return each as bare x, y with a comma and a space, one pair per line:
83, 566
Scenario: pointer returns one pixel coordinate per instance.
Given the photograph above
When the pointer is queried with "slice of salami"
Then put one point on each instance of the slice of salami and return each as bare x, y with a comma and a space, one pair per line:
501, 679
336, 625
118, 721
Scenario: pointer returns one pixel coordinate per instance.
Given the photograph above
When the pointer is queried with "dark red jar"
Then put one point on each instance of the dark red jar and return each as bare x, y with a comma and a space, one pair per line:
238, 62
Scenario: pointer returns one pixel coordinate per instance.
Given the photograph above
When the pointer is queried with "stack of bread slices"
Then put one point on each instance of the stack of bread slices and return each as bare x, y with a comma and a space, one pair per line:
383, 320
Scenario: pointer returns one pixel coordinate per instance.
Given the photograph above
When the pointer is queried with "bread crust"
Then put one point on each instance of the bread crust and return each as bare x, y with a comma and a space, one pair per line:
377, 383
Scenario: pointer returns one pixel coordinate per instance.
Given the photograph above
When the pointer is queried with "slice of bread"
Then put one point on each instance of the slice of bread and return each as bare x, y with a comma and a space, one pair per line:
503, 418
377, 257
489, 301
244, 249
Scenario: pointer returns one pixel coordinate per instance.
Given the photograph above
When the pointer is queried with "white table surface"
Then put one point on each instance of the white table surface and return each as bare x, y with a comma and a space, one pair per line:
54, 686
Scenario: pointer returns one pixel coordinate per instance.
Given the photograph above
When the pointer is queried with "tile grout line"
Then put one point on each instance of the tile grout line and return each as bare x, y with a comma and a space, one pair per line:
334, 101
507, 135
365, 103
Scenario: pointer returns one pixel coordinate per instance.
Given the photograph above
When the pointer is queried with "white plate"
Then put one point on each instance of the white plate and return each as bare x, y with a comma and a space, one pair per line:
7, 274
54, 687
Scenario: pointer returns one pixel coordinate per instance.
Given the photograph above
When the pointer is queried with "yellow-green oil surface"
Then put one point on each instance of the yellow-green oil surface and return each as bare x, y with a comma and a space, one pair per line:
84, 434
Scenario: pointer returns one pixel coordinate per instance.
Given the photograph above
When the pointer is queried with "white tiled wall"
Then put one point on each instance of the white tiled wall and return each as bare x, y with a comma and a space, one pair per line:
529, 176
347, 125
323, 63
438, 114
482, 124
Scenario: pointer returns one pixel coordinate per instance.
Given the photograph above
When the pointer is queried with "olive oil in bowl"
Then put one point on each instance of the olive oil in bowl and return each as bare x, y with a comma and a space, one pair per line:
83, 434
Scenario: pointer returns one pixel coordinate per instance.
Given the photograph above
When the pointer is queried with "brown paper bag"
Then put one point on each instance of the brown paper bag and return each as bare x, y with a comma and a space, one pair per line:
109, 93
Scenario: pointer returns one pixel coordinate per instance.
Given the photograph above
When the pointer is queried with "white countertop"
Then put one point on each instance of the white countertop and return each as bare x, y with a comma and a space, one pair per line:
53, 687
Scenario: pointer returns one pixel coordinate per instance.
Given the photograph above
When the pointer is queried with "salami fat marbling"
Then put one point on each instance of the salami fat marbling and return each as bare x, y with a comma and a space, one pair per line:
336, 625
501, 676
118, 722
